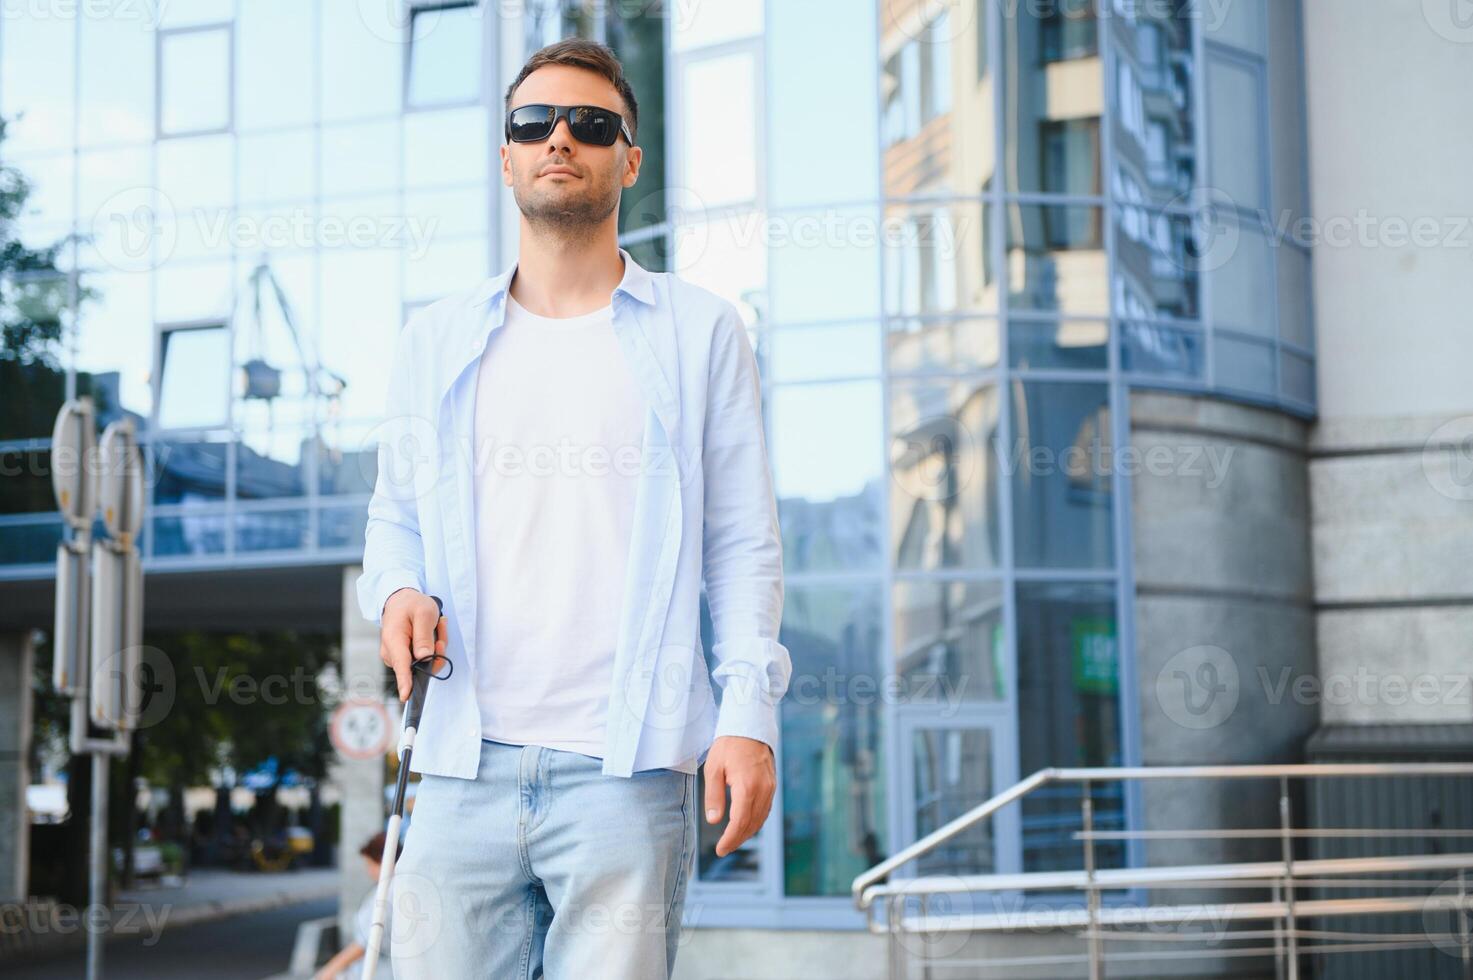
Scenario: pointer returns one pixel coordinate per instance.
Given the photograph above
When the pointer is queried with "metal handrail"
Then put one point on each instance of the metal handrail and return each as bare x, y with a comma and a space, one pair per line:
1282, 876
1097, 774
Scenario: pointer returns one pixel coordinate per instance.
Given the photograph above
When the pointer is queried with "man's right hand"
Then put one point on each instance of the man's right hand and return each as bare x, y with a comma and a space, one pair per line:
411, 622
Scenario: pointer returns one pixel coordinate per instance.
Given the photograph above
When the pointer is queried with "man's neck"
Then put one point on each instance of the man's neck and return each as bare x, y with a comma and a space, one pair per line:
567, 276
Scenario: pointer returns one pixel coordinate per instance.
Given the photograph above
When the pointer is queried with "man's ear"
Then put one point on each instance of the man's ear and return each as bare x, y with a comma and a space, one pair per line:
505, 164
632, 159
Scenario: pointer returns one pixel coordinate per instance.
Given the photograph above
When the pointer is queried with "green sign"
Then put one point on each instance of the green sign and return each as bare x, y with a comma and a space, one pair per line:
1096, 665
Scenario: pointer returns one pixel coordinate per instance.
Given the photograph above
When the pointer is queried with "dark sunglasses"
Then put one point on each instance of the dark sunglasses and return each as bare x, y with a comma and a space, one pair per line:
588, 123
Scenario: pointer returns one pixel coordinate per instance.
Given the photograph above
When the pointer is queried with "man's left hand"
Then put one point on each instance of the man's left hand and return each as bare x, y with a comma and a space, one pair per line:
747, 766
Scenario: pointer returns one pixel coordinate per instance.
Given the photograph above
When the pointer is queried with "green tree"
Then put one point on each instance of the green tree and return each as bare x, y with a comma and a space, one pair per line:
240, 699
35, 304
33, 307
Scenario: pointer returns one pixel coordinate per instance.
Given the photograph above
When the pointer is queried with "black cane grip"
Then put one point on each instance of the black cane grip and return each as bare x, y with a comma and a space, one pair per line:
416, 705
421, 671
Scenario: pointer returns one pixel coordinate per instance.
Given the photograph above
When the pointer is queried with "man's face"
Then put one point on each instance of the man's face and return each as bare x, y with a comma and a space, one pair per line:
560, 181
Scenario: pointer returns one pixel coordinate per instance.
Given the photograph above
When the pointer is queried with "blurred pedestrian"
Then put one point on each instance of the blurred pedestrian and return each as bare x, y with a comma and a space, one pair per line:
347, 964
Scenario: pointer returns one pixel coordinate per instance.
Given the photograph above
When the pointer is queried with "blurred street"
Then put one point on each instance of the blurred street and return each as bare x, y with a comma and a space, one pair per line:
215, 924
245, 947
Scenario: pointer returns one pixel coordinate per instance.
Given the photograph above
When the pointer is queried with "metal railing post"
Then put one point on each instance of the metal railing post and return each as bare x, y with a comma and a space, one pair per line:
1463, 924
1092, 895
1287, 846
1278, 938
926, 946
892, 928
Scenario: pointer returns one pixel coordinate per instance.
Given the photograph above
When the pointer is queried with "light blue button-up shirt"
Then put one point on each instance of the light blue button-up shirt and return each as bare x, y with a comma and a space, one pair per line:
704, 510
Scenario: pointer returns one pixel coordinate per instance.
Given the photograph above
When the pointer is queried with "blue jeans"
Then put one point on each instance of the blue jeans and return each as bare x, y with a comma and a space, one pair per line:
542, 866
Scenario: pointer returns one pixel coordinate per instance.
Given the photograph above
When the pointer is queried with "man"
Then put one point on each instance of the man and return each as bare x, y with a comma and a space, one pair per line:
569, 449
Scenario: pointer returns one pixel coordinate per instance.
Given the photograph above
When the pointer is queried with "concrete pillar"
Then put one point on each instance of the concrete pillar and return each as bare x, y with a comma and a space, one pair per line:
361, 782
1224, 612
17, 659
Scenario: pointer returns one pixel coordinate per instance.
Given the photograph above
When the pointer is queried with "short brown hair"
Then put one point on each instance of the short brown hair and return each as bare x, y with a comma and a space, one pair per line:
582, 53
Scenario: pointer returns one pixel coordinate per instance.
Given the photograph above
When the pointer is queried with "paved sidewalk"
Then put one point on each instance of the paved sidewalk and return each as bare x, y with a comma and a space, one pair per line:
213, 894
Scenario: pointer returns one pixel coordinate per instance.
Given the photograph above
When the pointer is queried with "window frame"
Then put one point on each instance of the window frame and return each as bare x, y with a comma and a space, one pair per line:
162, 37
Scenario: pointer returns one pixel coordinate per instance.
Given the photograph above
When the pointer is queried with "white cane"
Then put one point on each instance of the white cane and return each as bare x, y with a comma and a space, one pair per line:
423, 670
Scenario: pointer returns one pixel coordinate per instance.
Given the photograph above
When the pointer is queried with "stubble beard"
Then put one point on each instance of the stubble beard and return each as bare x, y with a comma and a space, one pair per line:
564, 216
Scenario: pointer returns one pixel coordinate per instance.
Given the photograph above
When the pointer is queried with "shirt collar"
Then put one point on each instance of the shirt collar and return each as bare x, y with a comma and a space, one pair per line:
637, 282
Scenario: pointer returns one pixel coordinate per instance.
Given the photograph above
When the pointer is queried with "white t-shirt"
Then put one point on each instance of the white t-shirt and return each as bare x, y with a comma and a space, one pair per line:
559, 433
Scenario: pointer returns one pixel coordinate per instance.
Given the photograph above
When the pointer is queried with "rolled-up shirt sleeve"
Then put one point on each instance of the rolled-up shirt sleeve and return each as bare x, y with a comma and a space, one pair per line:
742, 559
393, 550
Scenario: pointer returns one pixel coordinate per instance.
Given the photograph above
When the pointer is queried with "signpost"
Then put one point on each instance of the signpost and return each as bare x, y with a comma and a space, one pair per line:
99, 611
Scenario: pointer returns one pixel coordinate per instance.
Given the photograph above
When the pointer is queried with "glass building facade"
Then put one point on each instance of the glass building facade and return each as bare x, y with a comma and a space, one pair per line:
960, 233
